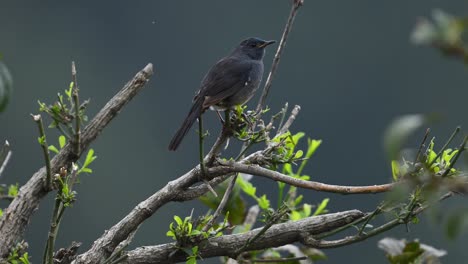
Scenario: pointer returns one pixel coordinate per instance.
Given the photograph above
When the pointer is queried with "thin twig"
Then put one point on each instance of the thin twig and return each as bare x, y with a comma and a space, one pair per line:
455, 132
45, 150
283, 116
275, 218
201, 136
76, 102
428, 130
221, 205
461, 148
53, 231
371, 216
290, 120
378, 230
5, 156
279, 51
218, 145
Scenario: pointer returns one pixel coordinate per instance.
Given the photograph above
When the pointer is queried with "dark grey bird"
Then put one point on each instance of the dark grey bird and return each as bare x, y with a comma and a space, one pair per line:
231, 81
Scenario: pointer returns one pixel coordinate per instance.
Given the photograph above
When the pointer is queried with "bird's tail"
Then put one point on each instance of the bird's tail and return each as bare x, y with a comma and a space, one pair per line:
194, 113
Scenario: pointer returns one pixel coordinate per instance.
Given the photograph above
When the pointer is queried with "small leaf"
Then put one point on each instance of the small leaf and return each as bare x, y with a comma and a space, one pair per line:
13, 190
322, 207
395, 170
263, 202
307, 210
299, 154
178, 220
62, 141
53, 149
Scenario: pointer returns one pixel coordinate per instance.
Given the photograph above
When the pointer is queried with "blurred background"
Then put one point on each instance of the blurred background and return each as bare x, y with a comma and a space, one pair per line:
349, 64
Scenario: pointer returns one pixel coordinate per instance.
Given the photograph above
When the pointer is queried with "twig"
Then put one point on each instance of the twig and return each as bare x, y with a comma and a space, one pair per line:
290, 120
283, 116
455, 132
275, 218
310, 241
5, 156
45, 150
6, 197
76, 102
376, 212
200, 145
54, 226
312, 185
461, 148
222, 204
223, 136
428, 130
279, 51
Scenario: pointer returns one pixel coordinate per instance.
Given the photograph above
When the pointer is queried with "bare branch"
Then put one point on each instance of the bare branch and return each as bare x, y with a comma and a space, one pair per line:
5, 155
279, 51
16, 217
228, 245
312, 185
290, 120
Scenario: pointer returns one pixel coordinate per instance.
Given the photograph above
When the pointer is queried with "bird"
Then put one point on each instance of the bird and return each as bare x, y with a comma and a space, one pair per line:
231, 81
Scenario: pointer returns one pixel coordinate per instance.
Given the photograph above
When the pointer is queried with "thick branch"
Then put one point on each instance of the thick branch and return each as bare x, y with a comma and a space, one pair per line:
16, 217
228, 245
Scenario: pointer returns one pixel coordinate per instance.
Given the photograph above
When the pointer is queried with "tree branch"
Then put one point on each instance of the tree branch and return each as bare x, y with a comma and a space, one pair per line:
228, 245
279, 51
18, 214
256, 170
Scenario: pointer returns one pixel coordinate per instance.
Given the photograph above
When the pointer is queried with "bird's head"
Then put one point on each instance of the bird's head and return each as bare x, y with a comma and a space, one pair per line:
253, 47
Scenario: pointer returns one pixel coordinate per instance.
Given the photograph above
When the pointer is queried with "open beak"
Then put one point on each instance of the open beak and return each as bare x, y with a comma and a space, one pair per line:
269, 42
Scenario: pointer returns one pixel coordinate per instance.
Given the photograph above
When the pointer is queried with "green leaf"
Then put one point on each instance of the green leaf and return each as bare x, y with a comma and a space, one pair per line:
395, 170
62, 141
263, 202
191, 260
178, 220
399, 131
1, 212
41, 140
307, 210
322, 207
287, 169
247, 187
89, 158
85, 170
6, 86
295, 215
69, 91
13, 190
53, 149
299, 154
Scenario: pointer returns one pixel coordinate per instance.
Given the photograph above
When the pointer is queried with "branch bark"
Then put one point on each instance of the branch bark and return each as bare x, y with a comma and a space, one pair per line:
228, 245
18, 214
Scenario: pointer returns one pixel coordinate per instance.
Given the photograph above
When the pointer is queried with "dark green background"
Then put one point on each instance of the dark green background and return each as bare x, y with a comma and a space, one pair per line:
349, 64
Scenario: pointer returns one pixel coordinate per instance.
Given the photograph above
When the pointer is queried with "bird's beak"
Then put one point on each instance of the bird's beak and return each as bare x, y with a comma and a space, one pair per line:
266, 43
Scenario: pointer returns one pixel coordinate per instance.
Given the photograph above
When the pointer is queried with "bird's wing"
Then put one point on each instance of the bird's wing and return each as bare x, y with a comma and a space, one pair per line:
224, 79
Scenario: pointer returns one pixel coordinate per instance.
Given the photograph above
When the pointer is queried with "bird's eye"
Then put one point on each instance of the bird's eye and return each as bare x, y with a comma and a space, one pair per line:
253, 45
